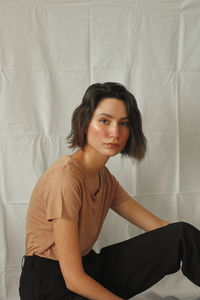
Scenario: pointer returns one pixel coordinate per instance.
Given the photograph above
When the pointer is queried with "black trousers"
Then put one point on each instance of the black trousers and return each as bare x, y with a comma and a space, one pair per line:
126, 268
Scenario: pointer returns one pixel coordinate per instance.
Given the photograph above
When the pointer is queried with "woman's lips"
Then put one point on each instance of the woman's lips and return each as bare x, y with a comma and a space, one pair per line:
111, 145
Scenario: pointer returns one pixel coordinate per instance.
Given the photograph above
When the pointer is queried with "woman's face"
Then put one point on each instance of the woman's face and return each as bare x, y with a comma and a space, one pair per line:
108, 130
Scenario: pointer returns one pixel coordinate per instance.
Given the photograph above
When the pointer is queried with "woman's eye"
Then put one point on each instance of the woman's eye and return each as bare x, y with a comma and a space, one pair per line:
125, 123
104, 121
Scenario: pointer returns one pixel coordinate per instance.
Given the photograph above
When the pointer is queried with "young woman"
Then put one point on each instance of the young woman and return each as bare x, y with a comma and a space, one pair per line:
70, 202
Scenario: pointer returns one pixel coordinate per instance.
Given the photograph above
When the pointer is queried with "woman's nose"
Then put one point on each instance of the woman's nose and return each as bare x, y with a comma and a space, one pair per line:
114, 131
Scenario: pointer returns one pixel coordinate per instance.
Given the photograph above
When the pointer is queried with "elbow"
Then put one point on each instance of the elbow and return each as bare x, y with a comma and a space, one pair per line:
71, 285
74, 283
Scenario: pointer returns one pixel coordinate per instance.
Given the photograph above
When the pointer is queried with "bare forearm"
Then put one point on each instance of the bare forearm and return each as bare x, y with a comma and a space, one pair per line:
164, 223
157, 224
85, 286
151, 222
70, 260
138, 215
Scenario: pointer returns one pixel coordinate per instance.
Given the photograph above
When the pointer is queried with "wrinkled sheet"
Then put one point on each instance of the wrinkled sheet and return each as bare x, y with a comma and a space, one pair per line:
50, 52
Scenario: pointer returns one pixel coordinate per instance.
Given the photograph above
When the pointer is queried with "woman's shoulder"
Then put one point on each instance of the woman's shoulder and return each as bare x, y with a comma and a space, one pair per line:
65, 169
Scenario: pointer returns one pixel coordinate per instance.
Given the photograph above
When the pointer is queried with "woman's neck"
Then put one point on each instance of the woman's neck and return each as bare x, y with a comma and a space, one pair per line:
90, 160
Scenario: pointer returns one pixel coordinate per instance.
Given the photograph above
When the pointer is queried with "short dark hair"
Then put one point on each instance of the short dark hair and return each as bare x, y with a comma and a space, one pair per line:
136, 144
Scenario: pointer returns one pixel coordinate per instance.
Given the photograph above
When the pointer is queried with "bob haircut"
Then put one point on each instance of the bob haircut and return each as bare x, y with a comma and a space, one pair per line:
135, 147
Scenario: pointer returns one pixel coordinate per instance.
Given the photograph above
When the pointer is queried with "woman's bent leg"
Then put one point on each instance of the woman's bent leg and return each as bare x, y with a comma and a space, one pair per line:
133, 266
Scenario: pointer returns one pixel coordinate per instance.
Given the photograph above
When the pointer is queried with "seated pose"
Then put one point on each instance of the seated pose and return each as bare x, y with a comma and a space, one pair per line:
71, 200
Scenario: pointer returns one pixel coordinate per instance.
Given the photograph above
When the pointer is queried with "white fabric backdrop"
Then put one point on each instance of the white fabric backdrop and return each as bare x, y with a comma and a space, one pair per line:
50, 52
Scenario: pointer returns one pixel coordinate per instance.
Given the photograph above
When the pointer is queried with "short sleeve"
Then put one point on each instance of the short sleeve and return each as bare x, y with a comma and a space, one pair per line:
61, 194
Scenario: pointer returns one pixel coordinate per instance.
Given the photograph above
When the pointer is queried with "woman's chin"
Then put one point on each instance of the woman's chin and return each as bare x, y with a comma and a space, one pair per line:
111, 152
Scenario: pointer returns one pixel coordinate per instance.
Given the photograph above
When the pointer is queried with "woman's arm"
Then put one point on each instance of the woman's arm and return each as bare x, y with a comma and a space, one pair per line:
68, 249
138, 215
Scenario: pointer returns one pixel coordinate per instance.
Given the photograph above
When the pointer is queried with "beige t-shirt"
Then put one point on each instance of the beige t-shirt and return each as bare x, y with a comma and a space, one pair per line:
62, 192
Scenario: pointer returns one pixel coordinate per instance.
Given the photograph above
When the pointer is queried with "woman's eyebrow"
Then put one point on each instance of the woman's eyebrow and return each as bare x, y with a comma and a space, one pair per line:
110, 116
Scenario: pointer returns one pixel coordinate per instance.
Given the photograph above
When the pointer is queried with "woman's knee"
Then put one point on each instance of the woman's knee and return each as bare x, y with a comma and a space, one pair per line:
186, 229
186, 226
